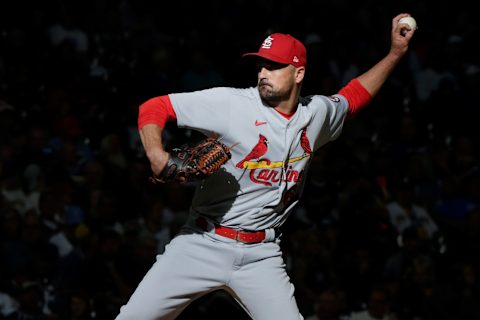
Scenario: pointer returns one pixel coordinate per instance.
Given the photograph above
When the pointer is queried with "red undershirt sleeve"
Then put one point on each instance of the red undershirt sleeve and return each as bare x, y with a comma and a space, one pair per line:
357, 96
156, 110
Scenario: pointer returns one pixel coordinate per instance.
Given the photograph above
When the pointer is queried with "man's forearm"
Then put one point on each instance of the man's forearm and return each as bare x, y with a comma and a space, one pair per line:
151, 136
375, 77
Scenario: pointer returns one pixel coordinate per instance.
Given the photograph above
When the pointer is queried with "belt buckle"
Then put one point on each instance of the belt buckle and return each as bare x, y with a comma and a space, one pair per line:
237, 236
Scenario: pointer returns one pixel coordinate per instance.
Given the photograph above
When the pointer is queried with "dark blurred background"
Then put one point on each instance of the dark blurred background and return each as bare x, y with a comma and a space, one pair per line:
389, 223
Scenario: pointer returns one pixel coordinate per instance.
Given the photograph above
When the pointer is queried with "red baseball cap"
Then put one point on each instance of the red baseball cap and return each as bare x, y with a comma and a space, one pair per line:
282, 48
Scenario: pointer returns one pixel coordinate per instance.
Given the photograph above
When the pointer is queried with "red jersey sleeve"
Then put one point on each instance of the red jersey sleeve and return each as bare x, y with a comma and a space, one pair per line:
357, 96
157, 110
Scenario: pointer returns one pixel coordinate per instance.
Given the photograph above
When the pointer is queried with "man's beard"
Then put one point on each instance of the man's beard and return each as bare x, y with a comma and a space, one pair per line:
271, 96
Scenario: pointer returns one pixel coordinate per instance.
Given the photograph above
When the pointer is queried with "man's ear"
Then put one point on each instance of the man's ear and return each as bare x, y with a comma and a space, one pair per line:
299, 74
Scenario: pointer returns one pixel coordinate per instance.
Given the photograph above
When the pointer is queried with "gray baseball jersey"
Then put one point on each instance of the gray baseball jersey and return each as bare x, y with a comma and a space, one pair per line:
262, 182
255, 190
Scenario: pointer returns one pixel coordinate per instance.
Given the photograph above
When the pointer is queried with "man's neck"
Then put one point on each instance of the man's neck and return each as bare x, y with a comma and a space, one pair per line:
288, 107
285, 114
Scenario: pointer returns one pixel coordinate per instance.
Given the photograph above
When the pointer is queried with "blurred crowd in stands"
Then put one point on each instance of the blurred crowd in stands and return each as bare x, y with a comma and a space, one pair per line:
389, 223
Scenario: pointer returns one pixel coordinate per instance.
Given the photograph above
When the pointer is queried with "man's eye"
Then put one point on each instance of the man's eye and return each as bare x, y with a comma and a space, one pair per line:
269, 66
260, 66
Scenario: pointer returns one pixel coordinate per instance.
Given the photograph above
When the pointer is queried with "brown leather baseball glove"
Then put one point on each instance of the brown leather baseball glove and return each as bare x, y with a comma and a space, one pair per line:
194, 162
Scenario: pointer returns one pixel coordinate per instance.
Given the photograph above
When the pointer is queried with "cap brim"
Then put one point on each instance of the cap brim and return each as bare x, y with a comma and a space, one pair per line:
267, 56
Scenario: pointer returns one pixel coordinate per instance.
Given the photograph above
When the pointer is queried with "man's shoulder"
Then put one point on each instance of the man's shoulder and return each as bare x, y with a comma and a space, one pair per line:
217, 93
250, 92
305, 101
320, 100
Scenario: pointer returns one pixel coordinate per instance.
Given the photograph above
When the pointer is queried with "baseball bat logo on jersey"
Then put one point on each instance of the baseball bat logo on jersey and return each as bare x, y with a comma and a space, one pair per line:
265, 171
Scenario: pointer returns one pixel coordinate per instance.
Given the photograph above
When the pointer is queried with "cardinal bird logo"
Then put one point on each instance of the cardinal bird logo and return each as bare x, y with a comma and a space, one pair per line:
258, 151
304, 142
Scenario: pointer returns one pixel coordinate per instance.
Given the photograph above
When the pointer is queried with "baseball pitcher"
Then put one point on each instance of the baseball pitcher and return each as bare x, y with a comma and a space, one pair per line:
249, 182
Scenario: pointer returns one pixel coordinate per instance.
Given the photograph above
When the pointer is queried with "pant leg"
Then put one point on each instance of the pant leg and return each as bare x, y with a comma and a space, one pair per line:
262, 285
190, 267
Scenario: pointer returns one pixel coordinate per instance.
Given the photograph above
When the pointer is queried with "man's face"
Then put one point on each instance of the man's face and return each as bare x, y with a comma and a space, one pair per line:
275, 81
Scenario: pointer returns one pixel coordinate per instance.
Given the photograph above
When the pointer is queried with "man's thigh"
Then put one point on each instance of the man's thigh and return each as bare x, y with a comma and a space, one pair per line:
263, 287
190, 267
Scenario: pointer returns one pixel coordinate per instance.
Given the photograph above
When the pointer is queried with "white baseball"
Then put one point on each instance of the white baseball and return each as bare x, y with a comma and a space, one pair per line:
410, 21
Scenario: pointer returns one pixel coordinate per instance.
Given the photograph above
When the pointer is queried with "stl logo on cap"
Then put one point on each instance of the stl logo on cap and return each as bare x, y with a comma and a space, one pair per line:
267, 43
282, 48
